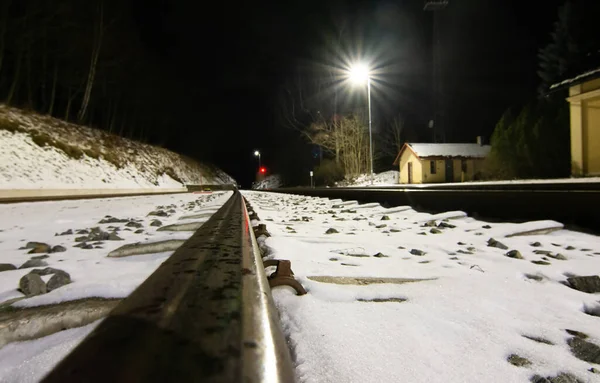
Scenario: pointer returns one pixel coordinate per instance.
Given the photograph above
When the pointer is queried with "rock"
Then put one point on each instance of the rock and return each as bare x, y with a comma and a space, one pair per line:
113, 237
538, 339
87, 247
331, 231
577, 334
381, 226
139, 231
461, 243
134, 224
306, 219
453, 258
493, 243
7, 267
518, 361
556, 244
81, 232
81, 239
109, 219
159, 213
446, 225
435, 231
417, 252
535, 244
535, 278
385, 218
588, 284
68, 232
542, 252
422, 233
41, 257
471, 249
569, 248
349, 211
32, 284
584, 350
47, 271
155, 222
39, 248
558, 256
394, 231
486, 227
59, 279
401, 247
563, 377
33, 263
514, 254
58, 249
461, 251
380, 255
429, 224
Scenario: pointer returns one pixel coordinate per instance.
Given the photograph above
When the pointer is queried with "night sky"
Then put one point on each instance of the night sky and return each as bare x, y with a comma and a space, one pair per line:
231, 63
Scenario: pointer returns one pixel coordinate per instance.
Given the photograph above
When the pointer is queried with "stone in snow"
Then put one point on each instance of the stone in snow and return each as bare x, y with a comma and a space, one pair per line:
385, 218
331, 231
33, 263
58, 280
435, 231
32, 284
155, 222
518, 361
446, 225
58, 249
493, 243
429, 224
587, 284
41, 256
417, 252
68, 232
7, 267
584, 350
514, 254
558, 256
134, 224
577, 334
535, 244
39, 248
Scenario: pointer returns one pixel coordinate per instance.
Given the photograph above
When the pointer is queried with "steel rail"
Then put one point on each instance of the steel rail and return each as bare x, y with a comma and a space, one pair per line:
580, 208
205, 315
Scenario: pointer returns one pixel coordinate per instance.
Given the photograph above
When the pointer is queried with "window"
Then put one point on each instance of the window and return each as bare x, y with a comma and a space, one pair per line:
432, 168
463, 165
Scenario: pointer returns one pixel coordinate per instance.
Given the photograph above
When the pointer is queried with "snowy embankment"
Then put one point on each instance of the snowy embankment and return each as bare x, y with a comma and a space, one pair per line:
395, 295
56, 256
270, 182
41, 152
389, 178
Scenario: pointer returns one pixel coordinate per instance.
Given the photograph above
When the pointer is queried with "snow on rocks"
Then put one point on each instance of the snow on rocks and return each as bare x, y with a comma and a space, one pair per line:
471, 313
87, 259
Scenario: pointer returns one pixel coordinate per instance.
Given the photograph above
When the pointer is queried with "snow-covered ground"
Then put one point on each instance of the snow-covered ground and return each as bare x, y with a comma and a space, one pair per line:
389, 178
272, 181
42, 152
474, 310
93, 274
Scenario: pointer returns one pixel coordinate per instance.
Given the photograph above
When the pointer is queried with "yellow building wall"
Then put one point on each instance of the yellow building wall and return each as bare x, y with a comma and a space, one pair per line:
406, 157
591, 136
585, 128
440, 173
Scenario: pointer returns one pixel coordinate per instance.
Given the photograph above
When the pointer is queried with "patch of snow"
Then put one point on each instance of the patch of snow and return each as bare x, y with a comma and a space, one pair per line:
30, 361
460, 325
450, 150
26, 165
575, 79
272, 181
92, 272
388, 178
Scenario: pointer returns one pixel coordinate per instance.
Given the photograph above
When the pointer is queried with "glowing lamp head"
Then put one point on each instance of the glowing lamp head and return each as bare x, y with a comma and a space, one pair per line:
359, 73
263, 170
256, 153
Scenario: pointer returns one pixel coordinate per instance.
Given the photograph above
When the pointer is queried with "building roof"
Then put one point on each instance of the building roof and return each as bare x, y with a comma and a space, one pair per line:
446, 150
589, 75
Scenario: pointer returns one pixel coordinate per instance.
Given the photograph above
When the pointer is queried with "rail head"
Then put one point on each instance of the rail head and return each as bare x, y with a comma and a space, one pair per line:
206, 314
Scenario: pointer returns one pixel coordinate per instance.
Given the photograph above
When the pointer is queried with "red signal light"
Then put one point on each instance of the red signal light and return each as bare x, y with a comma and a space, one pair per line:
263, 170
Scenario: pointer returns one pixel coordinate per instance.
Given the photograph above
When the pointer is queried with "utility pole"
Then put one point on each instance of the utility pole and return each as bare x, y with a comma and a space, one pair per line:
439, 113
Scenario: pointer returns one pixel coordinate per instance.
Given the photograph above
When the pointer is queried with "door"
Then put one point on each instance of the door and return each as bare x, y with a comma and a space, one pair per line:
410, 174
449, 171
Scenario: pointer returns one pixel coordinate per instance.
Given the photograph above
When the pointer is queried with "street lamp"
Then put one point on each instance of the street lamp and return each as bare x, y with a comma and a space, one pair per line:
257, 154
359, 73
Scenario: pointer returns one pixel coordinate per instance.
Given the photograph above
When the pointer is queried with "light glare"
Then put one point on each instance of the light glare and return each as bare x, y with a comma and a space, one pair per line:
359, 73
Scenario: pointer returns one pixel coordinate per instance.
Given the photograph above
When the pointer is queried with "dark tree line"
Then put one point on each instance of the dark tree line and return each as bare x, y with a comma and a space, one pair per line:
85, 62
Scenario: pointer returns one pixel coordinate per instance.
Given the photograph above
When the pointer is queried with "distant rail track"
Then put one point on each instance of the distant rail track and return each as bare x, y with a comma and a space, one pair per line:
577, 205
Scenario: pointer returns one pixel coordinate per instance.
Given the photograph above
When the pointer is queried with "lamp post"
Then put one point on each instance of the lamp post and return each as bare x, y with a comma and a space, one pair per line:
358, 74
257, 154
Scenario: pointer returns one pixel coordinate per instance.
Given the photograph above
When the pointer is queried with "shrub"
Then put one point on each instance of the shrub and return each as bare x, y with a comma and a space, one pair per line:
328, 173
